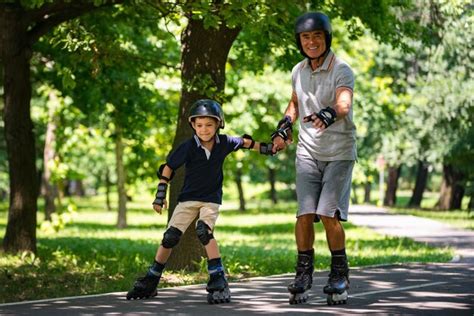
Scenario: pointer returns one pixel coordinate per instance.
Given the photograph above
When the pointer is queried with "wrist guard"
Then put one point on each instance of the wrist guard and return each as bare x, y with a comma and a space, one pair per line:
245, 136
160, 196
284, 129
327, 116
159, 173
266, 149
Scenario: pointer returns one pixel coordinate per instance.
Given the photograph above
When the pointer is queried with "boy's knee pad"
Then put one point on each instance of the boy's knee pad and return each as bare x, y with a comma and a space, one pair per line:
171, 237
203, 233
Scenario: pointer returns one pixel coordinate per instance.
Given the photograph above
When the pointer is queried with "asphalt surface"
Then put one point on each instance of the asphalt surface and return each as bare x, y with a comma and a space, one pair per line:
409, 289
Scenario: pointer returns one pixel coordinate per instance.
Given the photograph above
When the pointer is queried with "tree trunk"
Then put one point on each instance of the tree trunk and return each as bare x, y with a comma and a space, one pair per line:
122, 194
470, 205
452, 189
392, 186
15, 54
272, 180
367, 190
203, 59
420, 185
240, 188
107, 189
354, 199
49, 153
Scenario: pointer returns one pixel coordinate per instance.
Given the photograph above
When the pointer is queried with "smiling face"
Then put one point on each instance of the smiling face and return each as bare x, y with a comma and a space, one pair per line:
313, 43
205, 127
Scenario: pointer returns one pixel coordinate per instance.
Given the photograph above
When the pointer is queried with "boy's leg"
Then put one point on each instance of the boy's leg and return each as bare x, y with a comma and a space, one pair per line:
146, 286
217, 287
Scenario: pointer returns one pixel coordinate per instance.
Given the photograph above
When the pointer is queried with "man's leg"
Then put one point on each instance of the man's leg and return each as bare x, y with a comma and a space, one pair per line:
335, 234
338, 281
304, 232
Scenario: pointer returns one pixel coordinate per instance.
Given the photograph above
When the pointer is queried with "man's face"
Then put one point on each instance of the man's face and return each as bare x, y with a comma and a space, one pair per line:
205, 127
313, 43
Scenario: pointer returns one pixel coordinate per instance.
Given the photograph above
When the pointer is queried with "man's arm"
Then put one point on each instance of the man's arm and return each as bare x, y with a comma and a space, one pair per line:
292, 108
329, 115
292, 113
343, 102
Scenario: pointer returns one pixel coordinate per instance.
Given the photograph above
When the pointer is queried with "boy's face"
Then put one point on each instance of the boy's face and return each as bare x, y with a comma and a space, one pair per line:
205, 127
313, 43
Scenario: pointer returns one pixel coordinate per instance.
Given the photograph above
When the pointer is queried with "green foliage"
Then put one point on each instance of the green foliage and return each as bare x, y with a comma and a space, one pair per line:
110, 70
59, 220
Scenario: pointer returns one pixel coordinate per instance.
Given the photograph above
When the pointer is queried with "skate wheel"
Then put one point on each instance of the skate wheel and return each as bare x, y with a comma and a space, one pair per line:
219, 297
298, 298
210, 299
336, 299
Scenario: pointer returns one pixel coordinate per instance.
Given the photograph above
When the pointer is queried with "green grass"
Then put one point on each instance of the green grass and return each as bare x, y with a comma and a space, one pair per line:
89, 255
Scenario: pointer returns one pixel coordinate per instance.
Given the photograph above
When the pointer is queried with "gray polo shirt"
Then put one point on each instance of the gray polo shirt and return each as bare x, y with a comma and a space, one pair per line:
316, 90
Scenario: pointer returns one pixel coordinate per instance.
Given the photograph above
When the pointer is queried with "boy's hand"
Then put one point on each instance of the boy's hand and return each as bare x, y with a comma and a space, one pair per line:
158, 208
160, 198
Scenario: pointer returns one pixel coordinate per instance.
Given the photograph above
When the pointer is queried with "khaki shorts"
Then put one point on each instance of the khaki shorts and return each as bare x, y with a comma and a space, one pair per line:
186, 212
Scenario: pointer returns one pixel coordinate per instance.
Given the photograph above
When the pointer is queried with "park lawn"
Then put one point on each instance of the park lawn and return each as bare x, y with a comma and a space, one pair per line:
89, 255
457, 218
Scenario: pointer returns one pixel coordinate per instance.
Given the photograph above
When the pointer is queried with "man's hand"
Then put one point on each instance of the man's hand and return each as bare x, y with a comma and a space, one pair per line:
323, 119
278, 144
316, 122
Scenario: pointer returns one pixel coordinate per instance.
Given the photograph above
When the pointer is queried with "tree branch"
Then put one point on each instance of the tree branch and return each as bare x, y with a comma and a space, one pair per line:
51, 15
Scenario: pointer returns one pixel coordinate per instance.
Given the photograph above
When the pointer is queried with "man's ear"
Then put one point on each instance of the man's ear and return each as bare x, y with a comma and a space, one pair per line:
193, 124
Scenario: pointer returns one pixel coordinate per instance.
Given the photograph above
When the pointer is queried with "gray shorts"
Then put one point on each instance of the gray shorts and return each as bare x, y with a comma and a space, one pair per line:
323, 187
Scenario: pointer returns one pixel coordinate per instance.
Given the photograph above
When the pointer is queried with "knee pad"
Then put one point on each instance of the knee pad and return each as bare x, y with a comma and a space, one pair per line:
171, 237
203, 233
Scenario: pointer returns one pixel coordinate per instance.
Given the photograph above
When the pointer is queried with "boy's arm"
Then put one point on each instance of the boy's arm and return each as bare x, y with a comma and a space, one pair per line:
250, 144
165, 173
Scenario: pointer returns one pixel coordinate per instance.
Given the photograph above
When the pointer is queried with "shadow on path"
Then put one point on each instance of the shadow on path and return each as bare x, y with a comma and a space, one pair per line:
398, 289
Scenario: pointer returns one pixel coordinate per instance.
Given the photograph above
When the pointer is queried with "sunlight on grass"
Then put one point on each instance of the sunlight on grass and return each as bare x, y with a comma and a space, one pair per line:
91, 256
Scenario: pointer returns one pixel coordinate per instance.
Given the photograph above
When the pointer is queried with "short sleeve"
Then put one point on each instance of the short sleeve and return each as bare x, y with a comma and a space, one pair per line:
234, 143
178, 157
344, 77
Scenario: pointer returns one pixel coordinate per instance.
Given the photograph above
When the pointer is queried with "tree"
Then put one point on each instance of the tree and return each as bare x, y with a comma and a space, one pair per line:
21, 27
211, 30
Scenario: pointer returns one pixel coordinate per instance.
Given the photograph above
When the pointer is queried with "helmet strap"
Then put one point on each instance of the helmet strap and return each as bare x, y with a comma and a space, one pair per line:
320, 57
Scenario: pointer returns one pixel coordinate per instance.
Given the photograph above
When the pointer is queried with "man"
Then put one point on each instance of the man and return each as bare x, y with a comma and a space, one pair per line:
326, 152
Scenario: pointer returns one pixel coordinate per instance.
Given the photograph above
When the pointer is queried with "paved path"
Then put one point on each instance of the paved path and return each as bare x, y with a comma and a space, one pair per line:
420, 229
409, 289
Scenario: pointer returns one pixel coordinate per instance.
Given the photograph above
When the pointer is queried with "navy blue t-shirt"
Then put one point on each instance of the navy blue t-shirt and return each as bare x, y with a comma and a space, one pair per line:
203, 177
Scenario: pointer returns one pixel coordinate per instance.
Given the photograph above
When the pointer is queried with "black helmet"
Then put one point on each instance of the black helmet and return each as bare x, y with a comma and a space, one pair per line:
313, 21
206, 107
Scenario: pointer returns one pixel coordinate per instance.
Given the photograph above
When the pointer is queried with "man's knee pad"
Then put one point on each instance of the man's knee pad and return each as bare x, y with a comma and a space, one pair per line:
203, 233
171, 237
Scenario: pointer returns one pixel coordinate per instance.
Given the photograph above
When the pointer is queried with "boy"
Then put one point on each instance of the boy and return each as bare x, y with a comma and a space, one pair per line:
203, 156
